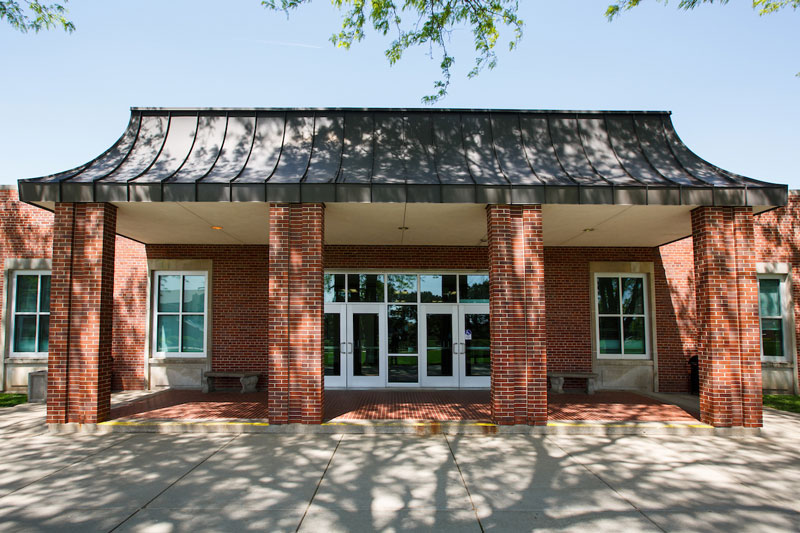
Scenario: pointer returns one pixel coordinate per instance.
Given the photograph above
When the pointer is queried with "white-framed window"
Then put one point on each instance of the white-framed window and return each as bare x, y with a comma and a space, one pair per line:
180, 309
773, 298
30, 313
621, 316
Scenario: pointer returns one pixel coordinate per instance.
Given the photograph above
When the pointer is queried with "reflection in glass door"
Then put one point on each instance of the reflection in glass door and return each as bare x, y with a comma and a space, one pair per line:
439, 331
406, 330
474, 346
365, 365
334, 345
403, 351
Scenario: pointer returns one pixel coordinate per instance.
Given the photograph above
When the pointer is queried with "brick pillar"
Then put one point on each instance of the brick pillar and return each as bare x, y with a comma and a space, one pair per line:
517, 315
81, 301
727, 316
295, 375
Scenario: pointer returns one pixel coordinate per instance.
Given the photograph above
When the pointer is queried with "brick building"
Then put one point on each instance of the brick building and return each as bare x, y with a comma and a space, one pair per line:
400, 248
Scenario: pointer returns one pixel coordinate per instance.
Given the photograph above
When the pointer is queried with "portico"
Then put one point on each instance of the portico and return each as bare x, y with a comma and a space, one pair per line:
453, 249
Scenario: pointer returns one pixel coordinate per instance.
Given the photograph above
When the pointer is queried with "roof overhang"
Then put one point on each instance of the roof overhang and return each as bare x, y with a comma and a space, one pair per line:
413, 156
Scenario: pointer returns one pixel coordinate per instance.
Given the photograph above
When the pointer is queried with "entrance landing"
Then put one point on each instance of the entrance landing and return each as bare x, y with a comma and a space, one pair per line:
352, 405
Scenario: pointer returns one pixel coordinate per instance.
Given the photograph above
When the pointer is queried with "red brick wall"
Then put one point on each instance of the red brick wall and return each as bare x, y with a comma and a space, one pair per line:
407, 257
26, 232
81, 313
777, 240
130, 315
517, 309
295, 391
675, 314
727, 316
568, 295
569, 300
238, 303
240, 282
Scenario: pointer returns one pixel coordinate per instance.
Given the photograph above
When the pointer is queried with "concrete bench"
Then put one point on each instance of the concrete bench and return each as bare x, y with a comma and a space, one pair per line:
247, 379
557, 380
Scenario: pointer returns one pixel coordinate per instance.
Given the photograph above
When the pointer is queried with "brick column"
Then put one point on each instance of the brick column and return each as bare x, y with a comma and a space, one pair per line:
81, 301
517, 315
727, 316
295, 375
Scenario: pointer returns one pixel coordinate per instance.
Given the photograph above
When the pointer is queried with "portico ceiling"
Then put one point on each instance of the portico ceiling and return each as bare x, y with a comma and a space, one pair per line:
382, 224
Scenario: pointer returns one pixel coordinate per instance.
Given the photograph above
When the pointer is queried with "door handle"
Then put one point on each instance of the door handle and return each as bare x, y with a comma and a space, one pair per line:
455, 348
349, 347
463, 348
343, 347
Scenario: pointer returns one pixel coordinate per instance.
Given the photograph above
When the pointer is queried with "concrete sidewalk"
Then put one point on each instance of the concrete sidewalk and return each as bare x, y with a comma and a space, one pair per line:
166, 483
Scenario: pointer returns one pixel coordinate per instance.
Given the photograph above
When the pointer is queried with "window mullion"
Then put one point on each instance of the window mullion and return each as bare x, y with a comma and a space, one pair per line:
621, 317
180, 318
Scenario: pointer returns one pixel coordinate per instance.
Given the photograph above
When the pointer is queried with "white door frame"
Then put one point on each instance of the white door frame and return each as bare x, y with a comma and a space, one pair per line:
367, 381
438, 381
340, 381
469, 382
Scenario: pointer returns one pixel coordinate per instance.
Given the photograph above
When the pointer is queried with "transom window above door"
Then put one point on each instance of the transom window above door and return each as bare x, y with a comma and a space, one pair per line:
406, 288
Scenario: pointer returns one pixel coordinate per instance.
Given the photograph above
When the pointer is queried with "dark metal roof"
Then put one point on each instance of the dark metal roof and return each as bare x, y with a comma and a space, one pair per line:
401, 155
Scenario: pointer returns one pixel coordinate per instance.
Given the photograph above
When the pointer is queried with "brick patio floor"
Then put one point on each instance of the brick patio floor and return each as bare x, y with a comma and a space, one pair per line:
400, 404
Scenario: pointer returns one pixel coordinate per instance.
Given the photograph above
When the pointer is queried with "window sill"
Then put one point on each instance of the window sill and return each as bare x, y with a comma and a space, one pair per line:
180, 360
26, 360
645, 360
776, 363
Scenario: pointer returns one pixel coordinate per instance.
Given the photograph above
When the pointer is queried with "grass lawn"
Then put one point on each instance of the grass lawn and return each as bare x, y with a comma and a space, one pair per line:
10, 400
784, 402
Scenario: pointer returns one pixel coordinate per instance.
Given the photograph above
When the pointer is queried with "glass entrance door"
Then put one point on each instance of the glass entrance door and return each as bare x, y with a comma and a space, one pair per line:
439, 327
334, 345
406, 330
366, 346
474, 346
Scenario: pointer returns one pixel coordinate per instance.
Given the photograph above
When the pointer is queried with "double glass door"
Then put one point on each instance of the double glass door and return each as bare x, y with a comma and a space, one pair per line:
397, 345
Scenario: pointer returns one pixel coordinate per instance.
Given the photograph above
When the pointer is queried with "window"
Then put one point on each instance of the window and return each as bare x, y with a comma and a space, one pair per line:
180, 314
772, 295
30, 313
621, 307
406, 288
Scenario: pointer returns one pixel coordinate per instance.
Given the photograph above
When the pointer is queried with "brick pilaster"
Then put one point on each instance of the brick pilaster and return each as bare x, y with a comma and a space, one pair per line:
517, 315
727, 316
79, 362
295, 386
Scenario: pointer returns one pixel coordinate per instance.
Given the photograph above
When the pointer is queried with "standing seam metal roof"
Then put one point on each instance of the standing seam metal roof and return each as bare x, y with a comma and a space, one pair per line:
401, 155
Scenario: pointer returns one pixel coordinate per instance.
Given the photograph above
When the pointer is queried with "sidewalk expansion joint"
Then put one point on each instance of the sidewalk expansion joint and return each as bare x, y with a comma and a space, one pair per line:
403, 426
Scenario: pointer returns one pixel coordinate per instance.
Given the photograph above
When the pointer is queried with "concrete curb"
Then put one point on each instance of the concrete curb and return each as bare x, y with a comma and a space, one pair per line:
402, 427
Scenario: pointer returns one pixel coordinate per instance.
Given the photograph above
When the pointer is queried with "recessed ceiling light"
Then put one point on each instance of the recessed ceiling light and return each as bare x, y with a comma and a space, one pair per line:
216, 227
588, 229
402, 228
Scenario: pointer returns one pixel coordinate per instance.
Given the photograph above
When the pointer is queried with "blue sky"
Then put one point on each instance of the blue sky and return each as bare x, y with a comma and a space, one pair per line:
725, 73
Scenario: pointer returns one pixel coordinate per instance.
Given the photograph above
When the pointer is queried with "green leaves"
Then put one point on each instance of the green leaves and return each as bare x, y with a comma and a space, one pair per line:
425, 23
35, 16
763, 7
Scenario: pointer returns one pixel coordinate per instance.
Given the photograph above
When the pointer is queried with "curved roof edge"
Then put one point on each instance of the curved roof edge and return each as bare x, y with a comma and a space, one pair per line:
401, 155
